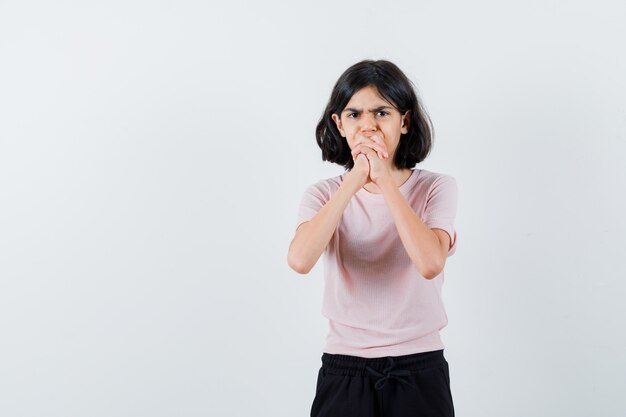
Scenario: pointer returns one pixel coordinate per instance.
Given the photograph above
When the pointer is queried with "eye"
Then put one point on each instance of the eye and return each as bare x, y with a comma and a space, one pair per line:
350, 115
383, 113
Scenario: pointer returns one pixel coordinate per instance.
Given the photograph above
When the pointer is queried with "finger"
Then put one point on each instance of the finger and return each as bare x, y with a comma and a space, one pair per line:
375, 137
360, 149
378, 139
357, 151
362, 155
368, 152
372, 155
382, 154
374, 143
383, 147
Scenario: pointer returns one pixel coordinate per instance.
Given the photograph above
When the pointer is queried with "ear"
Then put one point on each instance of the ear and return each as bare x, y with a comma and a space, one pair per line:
337, 121
406, 119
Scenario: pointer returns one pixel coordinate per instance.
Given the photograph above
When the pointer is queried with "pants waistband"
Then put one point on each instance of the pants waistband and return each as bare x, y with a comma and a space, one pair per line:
384, 368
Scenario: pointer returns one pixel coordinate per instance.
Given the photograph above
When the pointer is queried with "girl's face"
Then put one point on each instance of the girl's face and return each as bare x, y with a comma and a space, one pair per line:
368, 113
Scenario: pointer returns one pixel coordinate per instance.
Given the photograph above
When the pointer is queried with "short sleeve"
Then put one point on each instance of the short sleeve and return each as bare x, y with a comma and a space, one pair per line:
313, 199
441, 207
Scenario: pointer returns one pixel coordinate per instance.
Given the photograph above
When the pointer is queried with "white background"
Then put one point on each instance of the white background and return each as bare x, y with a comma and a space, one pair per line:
153, 154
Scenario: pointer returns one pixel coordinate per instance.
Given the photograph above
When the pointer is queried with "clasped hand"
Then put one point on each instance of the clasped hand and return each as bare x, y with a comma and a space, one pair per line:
374, 149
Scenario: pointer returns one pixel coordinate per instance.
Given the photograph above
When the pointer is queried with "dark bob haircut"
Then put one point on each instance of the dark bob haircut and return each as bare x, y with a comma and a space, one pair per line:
393, 86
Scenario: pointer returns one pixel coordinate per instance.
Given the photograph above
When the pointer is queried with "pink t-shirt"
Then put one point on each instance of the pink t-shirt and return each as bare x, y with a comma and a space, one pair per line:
375, 299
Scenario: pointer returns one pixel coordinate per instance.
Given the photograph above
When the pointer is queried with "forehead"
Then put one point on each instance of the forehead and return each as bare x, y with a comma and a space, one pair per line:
367, 97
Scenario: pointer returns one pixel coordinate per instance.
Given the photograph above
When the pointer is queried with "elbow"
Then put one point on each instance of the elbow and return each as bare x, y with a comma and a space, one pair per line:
299, 268
296, 265
432, 272
429, 276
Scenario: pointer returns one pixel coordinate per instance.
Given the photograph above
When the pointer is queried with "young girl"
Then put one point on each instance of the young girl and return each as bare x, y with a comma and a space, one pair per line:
385, 230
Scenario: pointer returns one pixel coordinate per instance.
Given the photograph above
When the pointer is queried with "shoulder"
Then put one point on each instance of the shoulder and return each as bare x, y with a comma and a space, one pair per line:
432, 179
325, 186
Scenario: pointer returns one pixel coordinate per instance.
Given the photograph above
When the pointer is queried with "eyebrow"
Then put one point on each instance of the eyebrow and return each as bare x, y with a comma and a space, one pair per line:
351, 109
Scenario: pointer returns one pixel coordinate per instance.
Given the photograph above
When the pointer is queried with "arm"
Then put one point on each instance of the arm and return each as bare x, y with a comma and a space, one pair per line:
313, 236
426, 247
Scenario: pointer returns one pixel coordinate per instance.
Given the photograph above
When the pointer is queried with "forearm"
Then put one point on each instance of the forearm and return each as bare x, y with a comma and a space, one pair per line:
421, 243
313, 236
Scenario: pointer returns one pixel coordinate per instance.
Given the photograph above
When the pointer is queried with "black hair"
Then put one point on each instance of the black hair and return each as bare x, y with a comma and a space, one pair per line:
393, 86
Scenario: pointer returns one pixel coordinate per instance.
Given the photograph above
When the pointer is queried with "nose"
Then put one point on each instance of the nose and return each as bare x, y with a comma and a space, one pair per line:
368, 124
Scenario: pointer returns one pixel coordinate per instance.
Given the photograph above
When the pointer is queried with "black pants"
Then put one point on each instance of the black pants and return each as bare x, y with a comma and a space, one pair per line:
416, 385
